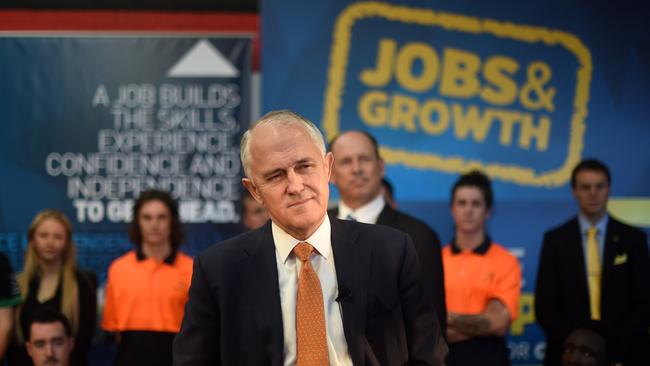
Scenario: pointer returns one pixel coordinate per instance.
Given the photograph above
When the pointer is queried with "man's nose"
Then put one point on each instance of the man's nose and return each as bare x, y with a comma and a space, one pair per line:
356, 166
49, 350
574, 358
295, 182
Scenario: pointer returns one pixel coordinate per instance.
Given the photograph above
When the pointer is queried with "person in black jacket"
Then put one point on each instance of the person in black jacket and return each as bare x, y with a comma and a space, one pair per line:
305, 287
357, 172
594, 267
50, 278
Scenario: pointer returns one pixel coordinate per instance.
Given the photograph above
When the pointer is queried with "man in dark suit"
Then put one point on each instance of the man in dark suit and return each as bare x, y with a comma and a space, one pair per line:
357, 172
574, 284
305, 289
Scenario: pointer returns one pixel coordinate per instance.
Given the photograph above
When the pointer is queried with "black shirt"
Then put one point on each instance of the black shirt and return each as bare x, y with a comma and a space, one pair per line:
87, 284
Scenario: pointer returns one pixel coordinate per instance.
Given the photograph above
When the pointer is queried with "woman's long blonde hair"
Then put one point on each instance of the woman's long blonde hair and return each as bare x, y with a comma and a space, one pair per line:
69, 286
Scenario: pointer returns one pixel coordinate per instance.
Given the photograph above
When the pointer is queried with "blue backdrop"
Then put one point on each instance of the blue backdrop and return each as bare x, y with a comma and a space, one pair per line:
522, 90
89, 121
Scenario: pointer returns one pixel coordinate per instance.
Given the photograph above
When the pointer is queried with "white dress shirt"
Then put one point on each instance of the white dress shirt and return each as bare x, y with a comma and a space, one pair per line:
368, 213
288, 270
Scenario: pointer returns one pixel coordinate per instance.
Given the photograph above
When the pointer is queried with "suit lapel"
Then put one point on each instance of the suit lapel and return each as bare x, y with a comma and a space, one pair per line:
267, 295
611, 249
577, 255
352, 261
387, 215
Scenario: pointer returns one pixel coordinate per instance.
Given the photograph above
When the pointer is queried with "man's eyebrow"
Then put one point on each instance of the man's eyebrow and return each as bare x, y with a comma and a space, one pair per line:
272, 172
303, 161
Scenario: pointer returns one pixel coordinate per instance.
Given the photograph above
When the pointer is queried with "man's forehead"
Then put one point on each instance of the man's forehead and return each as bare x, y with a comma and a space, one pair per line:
271, 130
584, 336
588, 176
359, 141
46, 330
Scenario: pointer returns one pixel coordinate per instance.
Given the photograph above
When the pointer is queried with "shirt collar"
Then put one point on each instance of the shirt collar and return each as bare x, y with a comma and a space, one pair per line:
585, 224
139, 255
320, 240
367, 213
481, 249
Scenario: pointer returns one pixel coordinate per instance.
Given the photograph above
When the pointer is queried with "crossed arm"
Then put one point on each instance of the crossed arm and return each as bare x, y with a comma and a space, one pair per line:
494, 320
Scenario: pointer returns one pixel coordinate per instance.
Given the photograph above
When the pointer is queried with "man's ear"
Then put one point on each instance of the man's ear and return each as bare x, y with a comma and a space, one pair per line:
28, 345
71, 343
329, 161
252, 188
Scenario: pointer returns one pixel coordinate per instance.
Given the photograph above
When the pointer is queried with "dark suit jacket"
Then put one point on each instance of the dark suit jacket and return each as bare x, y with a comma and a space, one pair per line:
562, 293
427, 246
233, 316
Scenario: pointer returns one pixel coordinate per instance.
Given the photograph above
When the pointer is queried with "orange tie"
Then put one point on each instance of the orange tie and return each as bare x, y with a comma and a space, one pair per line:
311, 339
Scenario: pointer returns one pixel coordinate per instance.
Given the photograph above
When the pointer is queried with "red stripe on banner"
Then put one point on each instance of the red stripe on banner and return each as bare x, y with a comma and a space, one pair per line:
85, 20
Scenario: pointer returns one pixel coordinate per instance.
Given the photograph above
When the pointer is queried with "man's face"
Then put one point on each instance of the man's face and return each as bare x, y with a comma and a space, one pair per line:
357, 171
255, 214
155, 223
584, 348
289, 175
591, 191
469, 210
49, 345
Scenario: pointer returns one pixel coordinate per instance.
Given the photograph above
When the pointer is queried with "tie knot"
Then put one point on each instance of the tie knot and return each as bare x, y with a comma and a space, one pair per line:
592, 231
349, 217
303, 251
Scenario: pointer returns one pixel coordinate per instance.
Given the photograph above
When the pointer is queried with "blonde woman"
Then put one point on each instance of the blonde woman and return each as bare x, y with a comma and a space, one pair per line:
50, 278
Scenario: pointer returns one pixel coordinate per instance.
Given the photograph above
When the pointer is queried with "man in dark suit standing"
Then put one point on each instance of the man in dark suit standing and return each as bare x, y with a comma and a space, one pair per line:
594, 267
357, 172
305, 289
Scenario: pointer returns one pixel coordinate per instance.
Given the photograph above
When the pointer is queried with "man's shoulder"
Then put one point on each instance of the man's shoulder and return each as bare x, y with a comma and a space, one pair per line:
563, 229
502, 254
122, 267
620, 226
378, 235
406, 221
235, 246
183, 261
126, 259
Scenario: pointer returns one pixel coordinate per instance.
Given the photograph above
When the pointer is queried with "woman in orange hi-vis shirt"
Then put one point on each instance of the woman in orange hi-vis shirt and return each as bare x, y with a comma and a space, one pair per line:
148, 287
482, 280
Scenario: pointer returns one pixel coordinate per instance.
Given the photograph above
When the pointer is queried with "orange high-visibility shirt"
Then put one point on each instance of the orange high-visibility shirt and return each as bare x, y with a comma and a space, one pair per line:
472, 278
143, 294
